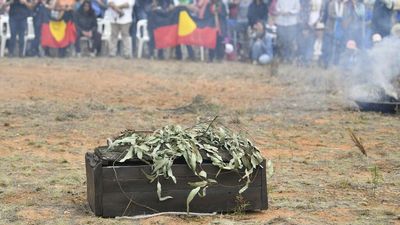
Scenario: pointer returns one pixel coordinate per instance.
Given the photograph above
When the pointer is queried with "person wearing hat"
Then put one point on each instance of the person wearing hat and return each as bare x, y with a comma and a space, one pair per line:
261, 50
354, 21
350, 56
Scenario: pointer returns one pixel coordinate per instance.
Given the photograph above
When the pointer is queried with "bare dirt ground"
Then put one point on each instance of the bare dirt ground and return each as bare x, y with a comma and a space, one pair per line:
53, 111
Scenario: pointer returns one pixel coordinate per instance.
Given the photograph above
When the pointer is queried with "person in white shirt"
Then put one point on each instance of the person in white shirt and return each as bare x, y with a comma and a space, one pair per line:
287, 20
119, 13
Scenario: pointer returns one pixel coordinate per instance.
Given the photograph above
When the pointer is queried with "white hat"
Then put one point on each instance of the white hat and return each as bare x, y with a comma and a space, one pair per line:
376, 38
319, 26
396, 30
351, 44
228, 48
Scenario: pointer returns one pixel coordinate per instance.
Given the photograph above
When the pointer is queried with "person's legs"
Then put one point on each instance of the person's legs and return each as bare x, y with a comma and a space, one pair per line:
211, 54
46, 51
96, 38
78, 41
339, 48
62, 52
291, 33
256, 50
178, 52
327, 49
190, 52
151, 44
13, 30
132, 31
309, 51
126, 40
160, 54
220, 50
281, 41
21, 28
114, 39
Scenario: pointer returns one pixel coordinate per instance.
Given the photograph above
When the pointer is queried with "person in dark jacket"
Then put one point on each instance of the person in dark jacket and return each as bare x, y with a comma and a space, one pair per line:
382, 17
86, 25
19, 11
258, 11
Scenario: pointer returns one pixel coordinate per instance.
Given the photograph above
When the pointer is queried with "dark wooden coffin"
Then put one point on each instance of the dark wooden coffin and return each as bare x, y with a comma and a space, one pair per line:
109, 198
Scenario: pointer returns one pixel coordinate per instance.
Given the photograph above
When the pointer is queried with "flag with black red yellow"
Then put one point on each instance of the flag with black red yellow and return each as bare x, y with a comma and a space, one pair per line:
58, 33
178, 27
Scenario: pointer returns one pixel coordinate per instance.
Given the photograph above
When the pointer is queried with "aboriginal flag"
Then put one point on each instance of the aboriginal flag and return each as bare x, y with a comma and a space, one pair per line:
178, 27
58, 34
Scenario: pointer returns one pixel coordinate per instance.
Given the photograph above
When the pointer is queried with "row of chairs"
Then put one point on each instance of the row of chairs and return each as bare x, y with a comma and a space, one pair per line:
104, 27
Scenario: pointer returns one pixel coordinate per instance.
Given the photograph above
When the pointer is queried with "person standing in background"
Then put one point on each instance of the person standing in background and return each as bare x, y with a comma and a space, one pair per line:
305, 37
354, 22
334, 39
216, 9
287, 12
119, 14
382, 17
163, 6
19, 11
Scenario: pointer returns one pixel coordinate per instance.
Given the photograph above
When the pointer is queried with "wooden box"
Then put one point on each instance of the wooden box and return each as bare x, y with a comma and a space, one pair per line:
110, 189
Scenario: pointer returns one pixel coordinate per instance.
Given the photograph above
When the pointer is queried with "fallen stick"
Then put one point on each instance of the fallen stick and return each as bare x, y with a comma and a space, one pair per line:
139, 217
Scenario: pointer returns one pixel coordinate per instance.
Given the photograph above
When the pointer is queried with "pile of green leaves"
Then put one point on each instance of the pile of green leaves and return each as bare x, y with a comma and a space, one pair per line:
225, 149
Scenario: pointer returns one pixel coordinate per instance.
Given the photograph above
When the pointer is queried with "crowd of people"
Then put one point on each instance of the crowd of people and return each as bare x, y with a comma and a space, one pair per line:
300, 31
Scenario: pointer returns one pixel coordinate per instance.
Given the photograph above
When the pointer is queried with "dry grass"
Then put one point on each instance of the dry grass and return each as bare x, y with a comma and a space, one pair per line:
53, 111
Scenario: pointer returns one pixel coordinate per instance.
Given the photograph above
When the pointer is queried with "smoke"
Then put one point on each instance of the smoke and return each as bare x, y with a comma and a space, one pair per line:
375, 74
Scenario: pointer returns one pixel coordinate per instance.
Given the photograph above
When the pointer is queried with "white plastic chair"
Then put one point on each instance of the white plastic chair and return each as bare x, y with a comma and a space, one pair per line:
142, 34
30, 32
5, 33
104, 28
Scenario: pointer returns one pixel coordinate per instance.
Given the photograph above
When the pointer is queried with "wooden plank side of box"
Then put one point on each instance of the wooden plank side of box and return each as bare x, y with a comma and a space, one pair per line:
216, 200
94, 184
113, 201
